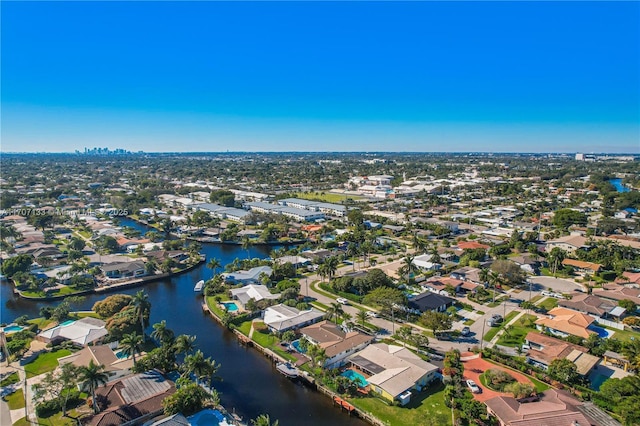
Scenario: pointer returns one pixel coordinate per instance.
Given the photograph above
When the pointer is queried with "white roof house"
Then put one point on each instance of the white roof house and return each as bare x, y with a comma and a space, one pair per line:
424, 262
282, 317
394, 370
247, 277
81, 332
252, 291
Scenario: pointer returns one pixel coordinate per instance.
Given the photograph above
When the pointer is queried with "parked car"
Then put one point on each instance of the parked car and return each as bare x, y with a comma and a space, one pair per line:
342, 301
372, 314
473, 387
465, 331
495, 320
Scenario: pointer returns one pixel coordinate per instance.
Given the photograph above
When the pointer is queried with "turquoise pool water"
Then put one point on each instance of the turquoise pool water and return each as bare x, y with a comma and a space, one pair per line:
13, 329
67, 322
121, 355
354, 375
207, 418
230, 306
296, 345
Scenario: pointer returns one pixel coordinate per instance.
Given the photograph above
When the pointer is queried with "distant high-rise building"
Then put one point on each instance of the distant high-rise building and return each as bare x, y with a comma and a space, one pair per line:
579, 157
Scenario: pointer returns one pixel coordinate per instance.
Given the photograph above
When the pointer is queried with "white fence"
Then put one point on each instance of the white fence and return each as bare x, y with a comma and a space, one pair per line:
616, 325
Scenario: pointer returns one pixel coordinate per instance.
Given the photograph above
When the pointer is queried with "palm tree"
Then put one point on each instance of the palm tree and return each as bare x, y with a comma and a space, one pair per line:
131, 344
494, 280
335, 309
162, 333
408, 267
246, 245
361, 318
142, 307
323, 271
332, 266
91, 378
184, 344
197, 365
264, 420
352, 251
214, 264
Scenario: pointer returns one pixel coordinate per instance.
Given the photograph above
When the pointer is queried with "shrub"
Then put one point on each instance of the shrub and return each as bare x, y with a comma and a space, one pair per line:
498, 379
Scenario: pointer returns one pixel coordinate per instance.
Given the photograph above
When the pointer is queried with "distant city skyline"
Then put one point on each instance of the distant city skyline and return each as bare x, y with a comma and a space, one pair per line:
531, 77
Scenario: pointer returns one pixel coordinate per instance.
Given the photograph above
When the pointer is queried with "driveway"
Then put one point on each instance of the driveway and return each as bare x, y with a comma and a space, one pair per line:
474, 367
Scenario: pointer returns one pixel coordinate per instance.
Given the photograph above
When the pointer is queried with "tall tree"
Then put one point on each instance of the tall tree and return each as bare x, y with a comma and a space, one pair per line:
213, 264
131, 345
92, 377
58, 384
142, 307
184, 344
162, 333
436, 321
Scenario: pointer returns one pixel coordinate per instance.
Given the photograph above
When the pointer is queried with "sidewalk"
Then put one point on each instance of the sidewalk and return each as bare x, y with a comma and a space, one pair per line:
495, 339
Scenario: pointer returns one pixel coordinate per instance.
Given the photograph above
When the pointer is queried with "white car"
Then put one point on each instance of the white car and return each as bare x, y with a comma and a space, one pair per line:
342, 301
372, 314
473, 387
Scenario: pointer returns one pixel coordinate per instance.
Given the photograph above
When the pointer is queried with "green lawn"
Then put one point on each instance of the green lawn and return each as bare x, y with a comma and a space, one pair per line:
319, 305
549, 303
469, 322
327, 197
10, 379
55, 420
45, 362
624, 335
494, 330
245, 327
214, 306
15, 400
272, 342
517, 332
536, 298
41, 322
424, 405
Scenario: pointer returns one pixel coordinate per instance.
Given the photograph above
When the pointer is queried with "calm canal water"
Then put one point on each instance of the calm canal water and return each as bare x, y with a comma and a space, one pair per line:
250, 384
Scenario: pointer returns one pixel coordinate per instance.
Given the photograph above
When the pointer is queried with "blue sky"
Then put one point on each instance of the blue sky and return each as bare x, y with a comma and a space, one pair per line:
315, 76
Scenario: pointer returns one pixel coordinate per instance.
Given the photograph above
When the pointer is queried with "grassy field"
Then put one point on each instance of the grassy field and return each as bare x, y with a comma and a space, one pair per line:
424, 405
518, 331
45, 362
494, 330
535, 299
549, 303
319, 305
327, 197
10, 379
55, 420
214, 306
540, 386
625, 335
272, 342
15, 400
245, 327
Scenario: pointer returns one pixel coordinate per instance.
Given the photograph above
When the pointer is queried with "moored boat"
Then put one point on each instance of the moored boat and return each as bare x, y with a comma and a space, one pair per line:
199, 286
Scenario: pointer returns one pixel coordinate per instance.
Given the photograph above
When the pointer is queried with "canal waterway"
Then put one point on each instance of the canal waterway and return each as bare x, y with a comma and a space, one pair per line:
617, 183
250, 384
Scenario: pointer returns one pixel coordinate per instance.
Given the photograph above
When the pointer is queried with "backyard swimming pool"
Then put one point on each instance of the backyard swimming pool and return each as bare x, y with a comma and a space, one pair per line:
13, 329
230, 306
354, 375
296, 345
208, 418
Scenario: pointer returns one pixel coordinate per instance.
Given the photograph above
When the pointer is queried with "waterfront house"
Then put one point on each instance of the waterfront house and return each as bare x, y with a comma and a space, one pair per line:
393, 371
100, 355
280, 318
551, 407
132, 399
337, 343
117, 270
565, 322
544, 349
252, 276
256, 292
81, 333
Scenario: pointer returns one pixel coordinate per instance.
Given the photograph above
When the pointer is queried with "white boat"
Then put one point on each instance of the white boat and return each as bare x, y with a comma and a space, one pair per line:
288, 370
199, 286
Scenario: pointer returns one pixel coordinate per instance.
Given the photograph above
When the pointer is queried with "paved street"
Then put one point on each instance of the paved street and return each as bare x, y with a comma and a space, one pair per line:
561, 285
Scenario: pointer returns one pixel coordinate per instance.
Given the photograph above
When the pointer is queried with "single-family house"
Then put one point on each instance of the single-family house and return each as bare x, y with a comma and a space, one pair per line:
582, 267
117, 270
526, 263
544, 349
132, 399
472, 245
393, 371
82, 332
100, 355
424, 263
467, 273
565, 322
256, 292
429, 301
618, 292
280, 318
592, 305
552, 407
252, 276
337, 343
568, 243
